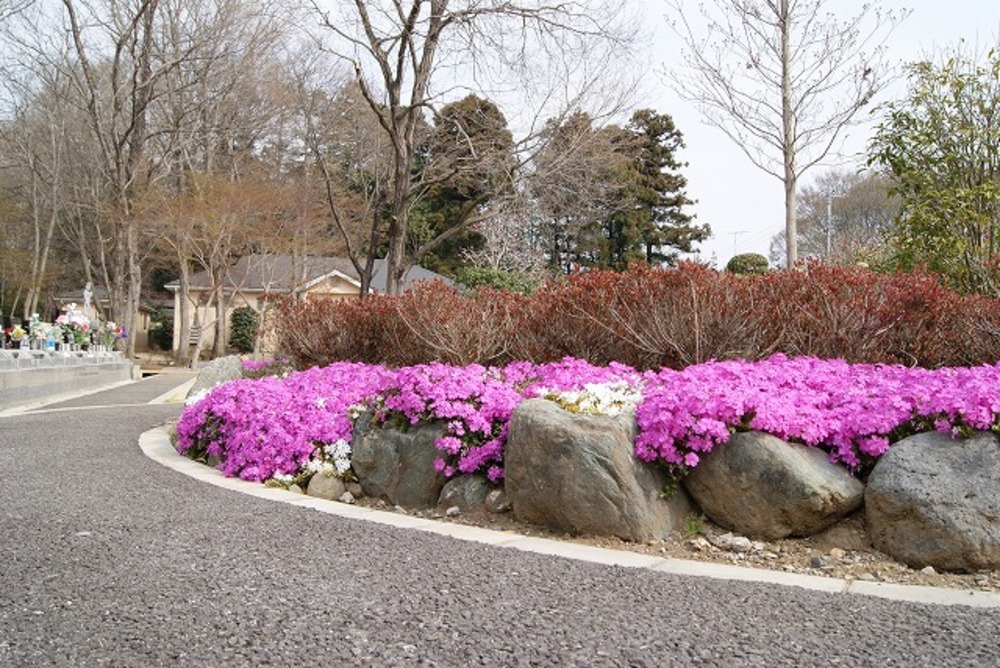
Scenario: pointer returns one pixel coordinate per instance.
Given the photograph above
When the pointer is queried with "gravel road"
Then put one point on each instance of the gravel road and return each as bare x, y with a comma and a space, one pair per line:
109, 559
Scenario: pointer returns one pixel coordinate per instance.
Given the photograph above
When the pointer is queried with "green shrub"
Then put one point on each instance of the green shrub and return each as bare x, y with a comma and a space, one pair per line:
161, 331
500, 279
243, 329
747, 264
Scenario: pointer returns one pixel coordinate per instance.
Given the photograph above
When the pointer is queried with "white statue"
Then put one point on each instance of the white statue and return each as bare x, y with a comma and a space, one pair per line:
88, 293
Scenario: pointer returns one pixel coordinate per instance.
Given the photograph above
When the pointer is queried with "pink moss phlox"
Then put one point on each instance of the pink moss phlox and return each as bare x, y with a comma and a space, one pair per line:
850, 410
271, 425
476, 404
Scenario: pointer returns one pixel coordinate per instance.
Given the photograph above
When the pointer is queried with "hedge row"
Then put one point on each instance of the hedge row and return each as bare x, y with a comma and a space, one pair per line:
651, 318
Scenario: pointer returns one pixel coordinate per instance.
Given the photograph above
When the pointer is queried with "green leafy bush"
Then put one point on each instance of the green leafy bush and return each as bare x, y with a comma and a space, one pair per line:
500, 279
161, 331
243, 329
747, 264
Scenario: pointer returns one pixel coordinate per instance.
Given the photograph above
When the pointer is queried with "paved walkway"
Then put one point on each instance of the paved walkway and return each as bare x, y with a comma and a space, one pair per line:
109, 558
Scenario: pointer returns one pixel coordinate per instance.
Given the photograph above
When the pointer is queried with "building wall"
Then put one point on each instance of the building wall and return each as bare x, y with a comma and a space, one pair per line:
332, 287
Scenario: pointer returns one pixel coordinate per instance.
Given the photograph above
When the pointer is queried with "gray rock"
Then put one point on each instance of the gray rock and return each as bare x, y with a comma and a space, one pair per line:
216, 372
732, 543
327, 487
347, 498
934, 501
397, 466
577, 473
454, 511
497, 501
467, 492
847, 535
763, 487
355, 490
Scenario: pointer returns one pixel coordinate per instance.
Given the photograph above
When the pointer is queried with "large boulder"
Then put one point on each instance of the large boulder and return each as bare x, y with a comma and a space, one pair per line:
935, 501
398, 465
577, 473
216, 372
761, 486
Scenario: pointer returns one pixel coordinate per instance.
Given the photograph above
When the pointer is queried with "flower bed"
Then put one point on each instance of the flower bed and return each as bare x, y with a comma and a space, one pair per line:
286, 427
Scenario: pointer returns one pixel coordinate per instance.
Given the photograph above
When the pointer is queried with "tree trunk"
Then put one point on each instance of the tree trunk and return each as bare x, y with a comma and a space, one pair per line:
134, 286
184, 316
788, 139
219, 344
396, 256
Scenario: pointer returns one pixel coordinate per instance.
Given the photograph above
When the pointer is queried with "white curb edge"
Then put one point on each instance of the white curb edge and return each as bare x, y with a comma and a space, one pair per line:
155, 444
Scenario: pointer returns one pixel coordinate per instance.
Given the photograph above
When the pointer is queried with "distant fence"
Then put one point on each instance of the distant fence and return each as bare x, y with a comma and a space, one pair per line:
30, 376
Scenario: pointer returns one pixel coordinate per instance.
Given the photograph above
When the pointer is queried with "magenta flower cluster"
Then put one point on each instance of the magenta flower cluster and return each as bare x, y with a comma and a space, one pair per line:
475, 403
259, 428
262, 427
272, 425
851, 410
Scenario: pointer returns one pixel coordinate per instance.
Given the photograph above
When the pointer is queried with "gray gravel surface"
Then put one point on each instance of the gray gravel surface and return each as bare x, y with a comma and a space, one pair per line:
109, 559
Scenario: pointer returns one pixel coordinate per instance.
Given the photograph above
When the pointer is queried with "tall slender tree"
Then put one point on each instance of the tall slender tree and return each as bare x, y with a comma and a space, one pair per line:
783, 79
652, 223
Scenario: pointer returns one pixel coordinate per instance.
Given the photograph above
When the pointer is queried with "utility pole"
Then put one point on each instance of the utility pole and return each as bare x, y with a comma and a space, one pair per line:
736, 237
829, 222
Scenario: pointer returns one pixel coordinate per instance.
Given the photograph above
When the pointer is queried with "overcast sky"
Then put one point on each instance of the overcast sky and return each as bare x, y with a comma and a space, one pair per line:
743, 205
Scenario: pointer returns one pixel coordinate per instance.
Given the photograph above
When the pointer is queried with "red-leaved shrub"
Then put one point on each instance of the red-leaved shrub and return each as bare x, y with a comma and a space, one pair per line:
459, 329
649, 318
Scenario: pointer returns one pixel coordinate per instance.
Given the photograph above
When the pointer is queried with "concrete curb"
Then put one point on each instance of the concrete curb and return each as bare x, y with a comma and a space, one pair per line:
156, 445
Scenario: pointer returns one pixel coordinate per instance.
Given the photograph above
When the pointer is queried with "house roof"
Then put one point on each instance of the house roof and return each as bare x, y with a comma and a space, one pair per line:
279, 273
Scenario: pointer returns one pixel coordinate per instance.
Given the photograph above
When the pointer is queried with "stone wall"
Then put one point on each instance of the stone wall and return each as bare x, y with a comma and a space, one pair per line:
29, 376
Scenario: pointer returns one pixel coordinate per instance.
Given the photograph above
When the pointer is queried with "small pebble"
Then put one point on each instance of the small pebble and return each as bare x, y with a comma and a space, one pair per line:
928, 570
837, 553
454, 511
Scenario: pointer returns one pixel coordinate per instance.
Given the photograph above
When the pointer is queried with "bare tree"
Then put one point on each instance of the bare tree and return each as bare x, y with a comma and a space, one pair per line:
34, 148
113, 42
351, 153
215, 129
404, 54
508, 246
782, 78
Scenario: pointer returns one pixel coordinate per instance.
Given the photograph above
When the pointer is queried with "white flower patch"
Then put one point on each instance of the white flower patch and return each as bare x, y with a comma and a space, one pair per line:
334, 460
321, 466
283, 478
196, 397
611, 399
